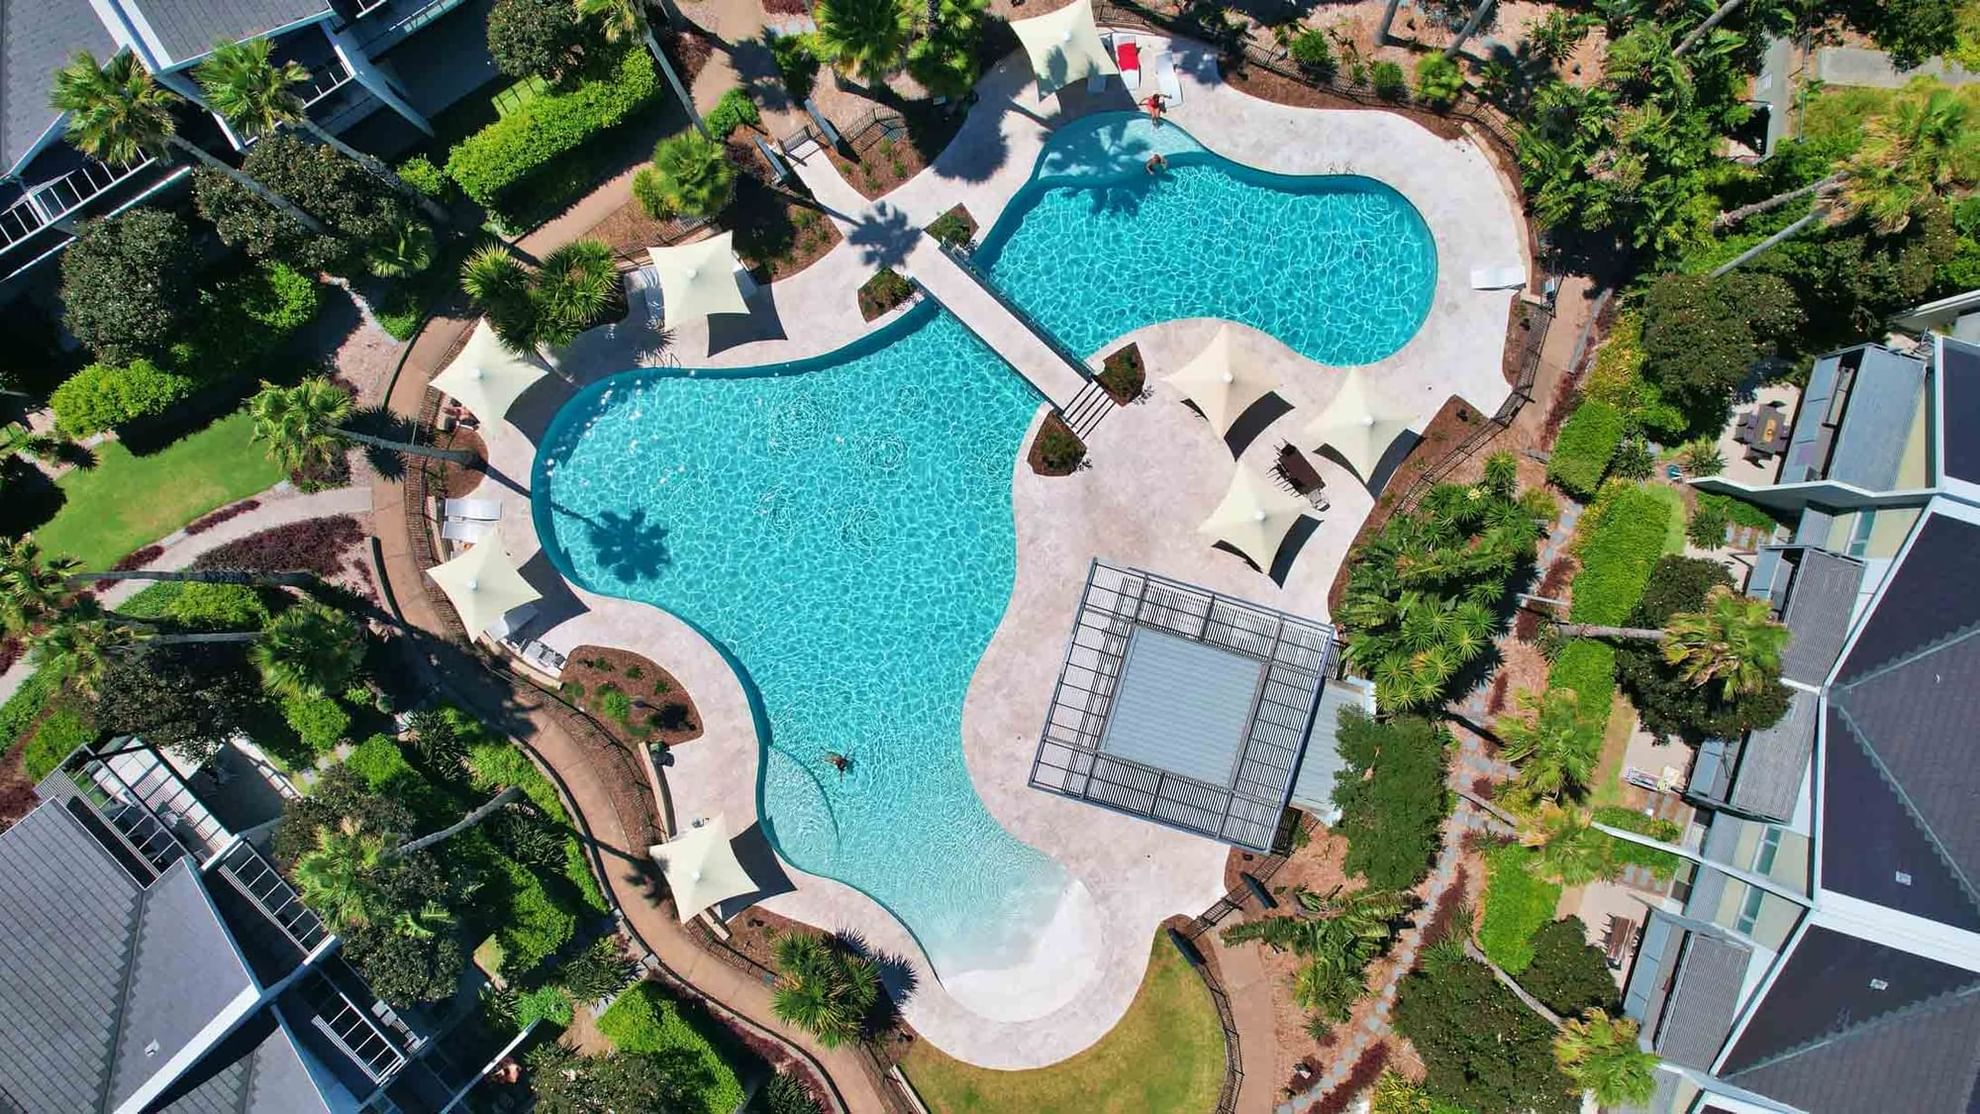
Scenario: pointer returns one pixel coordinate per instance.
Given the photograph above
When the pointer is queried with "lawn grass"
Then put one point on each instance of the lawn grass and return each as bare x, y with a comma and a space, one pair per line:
1165, 1056
1673, 526
1517, 904
127, 502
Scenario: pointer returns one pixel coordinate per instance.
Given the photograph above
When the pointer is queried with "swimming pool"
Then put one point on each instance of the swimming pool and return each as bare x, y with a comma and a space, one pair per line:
1340, 268
841, 528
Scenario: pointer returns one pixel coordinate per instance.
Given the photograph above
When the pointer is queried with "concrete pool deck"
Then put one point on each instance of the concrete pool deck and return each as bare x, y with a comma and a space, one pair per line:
1156, 471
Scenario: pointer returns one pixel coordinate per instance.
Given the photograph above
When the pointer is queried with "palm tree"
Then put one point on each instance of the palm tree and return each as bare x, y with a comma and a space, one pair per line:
304, 426
1601, 1055
1337, 935
1548, 747
81, 649
256, 97
691, 176
572, 288
407, 252
310, 651
500, 285
824, 989
1569, 851
475, 816
1711, 21
625, 19
117, 113
33, 588
342, 877
1471, 26
1734, 639
17, 439
866, 38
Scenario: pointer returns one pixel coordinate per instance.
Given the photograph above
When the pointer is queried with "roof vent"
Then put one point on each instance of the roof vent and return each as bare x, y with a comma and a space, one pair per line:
1879, 984
151, 1049
1903, 878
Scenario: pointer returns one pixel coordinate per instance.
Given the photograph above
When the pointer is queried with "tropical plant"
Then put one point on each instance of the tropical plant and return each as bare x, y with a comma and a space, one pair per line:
1555, 37
598, 971
404, 254
305, 426
1546, 743
33, 588
691, 176
944, 59
500, 284
309, 652
342, 878
865, 39
1701, 458
1600, 1054
1438, 80
1568, 850
1337, 935
572, 287
256, 97
823, 988
733, 109
1734, 640
117, 114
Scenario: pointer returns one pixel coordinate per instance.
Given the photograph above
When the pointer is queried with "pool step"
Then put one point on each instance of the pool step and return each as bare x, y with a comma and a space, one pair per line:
1091, 404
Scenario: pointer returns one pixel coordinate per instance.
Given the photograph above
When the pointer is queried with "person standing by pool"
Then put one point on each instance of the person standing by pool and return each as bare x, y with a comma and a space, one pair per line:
1156, 104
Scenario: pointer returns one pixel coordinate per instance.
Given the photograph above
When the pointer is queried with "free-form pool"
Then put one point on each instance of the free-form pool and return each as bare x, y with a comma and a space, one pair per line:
1341, 268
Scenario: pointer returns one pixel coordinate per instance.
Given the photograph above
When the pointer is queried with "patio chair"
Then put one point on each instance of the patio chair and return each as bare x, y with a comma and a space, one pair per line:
477, 510
1165, 78
464, 533
1127, 56
826, 131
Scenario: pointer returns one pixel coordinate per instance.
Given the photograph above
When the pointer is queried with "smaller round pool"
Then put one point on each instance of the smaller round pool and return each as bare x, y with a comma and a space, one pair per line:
1340, 268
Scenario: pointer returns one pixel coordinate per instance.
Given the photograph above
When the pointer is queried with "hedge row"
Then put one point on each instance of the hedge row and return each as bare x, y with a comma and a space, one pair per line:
1587, 668
1517, 905
545, 129
1587, 442
644, 1019
1618, 541
493, 763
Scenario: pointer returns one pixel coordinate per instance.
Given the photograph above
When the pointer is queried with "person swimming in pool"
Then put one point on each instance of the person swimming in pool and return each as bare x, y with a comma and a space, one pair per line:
1156, 104
1157, 163
838, 762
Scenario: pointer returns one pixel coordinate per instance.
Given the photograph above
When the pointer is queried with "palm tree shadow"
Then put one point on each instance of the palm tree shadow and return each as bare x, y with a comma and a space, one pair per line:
884, 239
380, 422
628, 545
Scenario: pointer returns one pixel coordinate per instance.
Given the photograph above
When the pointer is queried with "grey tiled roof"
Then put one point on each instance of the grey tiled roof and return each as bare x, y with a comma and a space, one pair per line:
36, 39
256, 1070
189, 28
1959, 382
1820, 600
1773, 761
1876, 424
1699, 1012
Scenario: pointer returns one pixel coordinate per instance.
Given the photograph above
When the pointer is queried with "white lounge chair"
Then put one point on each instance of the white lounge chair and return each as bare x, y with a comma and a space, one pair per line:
1498, 278
1165, 78
464, 533
1127, 56
478, 510
510, 623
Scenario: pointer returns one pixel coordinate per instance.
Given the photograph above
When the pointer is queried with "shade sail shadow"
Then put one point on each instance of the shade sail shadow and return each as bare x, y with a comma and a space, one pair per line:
1255, 420
1290, 548
759, 860
762, 322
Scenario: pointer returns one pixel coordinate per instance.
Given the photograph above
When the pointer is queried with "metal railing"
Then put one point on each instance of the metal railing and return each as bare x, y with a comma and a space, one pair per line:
256, 880
51, 201
1501, 420
352, 1030
1263, 871
326, 78
960, 258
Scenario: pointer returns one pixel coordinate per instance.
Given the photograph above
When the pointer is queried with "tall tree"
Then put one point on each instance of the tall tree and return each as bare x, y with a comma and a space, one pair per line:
343, 877
1336, 934
1600, 1054
310, 651
33, 587
866, 39
256, 97
117, 113
1734, 640
626, 19
306, 426
823, 988
1546, 743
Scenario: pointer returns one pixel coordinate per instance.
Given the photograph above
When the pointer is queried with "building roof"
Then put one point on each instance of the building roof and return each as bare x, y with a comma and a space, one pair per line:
1855, 417
258, 1069
1821, 598
1901, 780
1197, 737
185, 29
1852, 1025
1699, 1011
1773, 761
36, 39
1959, 413
1321, 763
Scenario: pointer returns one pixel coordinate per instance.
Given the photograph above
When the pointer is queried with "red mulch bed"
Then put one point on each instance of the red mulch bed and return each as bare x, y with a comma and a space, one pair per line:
1444, 917
1526, 625
317, 545
129, 562
688, 49
1454, 422
594, 667
233, 510
1054, 426
1269, 86
1367, 1069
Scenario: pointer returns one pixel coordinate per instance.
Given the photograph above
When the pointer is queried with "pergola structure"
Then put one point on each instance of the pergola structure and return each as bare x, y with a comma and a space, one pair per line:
1182, 706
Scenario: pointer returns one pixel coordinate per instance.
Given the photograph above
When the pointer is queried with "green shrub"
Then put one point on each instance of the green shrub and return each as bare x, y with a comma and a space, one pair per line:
732, 111
885, 290
1517, 904
420, 173
546, 129
1482, 1048
1387, 78
1739, 512
797, 60
1587, 667
541, 38
952, 228
1587, 442
243, 319
615, 703
216, 607
128, 283
645, 1019
319, 721
1438, 80
532, 921
783, 1094
1059, 449
63, 731
1391, 795
1630, 820
380, 763
545, 1003
1568, 973
103, 395
1313, 52
1619, 541
493, 763
1707, 529
691, 176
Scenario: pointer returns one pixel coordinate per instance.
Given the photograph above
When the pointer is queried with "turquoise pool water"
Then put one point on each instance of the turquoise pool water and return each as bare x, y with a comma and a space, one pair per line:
1340, 268
841, 527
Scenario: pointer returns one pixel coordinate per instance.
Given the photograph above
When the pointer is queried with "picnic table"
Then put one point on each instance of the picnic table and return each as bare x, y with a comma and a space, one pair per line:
1764, 430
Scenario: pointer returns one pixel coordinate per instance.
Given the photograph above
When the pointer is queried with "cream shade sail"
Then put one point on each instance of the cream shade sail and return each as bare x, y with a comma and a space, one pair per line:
701, 868
1222, 388
487, 377
1064, 47
1357, 425
698, 279
482, 585
1254, 517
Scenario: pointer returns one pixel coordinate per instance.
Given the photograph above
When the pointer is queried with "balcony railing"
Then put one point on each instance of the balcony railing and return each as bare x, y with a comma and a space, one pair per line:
326, 77
354, 1032
258, 882
51, 201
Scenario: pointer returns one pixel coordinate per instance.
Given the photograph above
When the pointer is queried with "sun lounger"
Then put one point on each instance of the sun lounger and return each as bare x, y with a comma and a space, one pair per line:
1127, 55
1165, 78
1498, 278
480, 510
511, 622
465, 533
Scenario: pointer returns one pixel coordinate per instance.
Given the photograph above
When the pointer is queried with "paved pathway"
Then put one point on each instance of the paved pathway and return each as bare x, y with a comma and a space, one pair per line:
280, 505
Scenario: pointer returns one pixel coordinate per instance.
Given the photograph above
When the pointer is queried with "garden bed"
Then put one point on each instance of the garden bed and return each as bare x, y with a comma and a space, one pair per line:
1455, 421
1269, 85
1057, 450
457, 481
1123, 374
650, 705
883, 292
955, 228
777, 233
